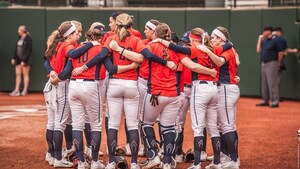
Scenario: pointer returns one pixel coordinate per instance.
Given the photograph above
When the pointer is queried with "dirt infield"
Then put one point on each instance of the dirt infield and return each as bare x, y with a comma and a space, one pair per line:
267, 137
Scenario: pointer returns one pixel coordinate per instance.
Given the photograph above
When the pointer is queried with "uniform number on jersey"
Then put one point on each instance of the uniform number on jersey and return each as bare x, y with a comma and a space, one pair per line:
84, 58
123, 57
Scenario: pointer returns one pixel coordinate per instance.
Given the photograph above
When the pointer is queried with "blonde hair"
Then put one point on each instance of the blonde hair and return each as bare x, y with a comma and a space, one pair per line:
225, 32
163, 31
199, 32
96, 24
123, 23
24, 29
55, 37
76, 23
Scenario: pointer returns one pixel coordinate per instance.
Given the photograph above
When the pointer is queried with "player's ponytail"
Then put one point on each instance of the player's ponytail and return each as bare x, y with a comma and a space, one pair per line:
123, 23
56, 36
203, 36
163, 31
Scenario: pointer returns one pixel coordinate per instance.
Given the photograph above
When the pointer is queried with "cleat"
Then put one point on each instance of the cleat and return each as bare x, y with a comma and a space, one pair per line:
134, 166
49, 159
62, 163
97, 165
203, 156
179, 158
127, 150
214, 166
152, 163
230, 165
193, 166
111, 165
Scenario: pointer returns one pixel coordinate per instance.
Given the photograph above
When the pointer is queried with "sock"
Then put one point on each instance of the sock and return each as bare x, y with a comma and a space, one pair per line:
169, 137
216, 143
198, 146
149, 140
49, 138
87, 134
68, 136
78, 143
204, 139
179, 142
224, 149
231, 142
57, 139
237, 143
95, 144
112, 141
134, 140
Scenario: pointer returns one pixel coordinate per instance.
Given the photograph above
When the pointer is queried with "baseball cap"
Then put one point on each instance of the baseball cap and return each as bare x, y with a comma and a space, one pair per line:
101, 28
185, 37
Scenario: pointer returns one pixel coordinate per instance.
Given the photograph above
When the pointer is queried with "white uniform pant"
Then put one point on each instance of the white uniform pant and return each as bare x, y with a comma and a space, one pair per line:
167, 109
184, 107
204, 100
142, 84
122, 96
229, 95
57, 104
85, 99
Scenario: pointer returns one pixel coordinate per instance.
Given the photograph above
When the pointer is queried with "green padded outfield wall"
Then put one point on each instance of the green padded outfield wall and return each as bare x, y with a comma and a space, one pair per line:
245, 26
35, 20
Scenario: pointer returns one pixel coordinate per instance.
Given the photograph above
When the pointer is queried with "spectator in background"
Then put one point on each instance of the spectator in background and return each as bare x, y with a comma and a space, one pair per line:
271, 53
21, 60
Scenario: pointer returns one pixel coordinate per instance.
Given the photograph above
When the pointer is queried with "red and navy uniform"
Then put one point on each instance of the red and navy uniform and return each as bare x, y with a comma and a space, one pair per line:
228, 71
180, 76
94, 72
162, 80
131, 43
59, 60
136, 33
144, 69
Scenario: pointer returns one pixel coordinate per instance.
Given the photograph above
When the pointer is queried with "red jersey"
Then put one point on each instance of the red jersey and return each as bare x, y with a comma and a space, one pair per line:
144, 67
132, 43
203, 59
108, 34
228, 71
59, 60
92, 73
162, 79
136, 33
186, 75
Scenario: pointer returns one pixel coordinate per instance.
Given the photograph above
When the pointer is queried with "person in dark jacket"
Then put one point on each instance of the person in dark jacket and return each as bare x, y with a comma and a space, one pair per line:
21, 60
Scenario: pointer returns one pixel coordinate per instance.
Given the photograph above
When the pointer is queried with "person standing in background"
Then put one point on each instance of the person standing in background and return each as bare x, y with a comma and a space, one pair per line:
271, 53
21, 60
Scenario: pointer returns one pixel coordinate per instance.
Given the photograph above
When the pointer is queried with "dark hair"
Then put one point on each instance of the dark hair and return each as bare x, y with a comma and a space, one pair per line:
174, 37
268, 28
278, 28
116, 14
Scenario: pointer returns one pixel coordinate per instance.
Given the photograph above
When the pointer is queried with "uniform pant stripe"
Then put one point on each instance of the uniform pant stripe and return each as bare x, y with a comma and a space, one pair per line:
143, 113
226, 105
65, 102
195, 104
99, 103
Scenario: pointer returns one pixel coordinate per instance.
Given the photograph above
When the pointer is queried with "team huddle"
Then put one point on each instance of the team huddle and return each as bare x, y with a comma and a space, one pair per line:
150, 81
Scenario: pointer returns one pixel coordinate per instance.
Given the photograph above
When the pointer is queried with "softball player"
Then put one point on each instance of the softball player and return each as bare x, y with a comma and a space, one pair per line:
123, 99
228, 92
203, 97
60, 42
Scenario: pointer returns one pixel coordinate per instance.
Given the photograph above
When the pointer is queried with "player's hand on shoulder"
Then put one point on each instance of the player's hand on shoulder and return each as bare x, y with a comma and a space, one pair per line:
114, 46
171, 65
156, 40
203, 48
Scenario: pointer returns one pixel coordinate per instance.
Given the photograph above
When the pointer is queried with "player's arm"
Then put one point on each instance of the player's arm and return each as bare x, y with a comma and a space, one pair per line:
75, 53
65, 74
195, 67
219, 61
47, 66
112, 69
96, 60
258, 45
172, 46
